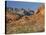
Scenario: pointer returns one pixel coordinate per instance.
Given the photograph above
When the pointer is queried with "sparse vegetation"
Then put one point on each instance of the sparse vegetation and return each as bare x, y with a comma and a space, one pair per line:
18, 22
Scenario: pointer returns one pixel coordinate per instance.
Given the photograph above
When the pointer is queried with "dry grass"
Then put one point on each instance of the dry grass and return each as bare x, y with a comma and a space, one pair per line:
25, 24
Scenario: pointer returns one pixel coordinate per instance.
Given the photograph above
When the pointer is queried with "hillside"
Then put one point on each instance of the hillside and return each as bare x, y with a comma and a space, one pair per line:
23, 21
